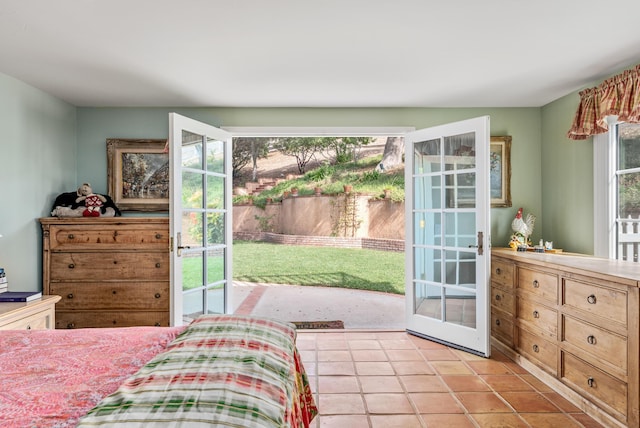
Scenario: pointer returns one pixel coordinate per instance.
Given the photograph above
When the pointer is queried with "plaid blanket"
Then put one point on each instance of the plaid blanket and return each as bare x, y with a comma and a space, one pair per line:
223, 370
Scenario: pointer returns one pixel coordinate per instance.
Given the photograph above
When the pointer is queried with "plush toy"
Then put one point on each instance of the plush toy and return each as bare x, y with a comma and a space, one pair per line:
92, 201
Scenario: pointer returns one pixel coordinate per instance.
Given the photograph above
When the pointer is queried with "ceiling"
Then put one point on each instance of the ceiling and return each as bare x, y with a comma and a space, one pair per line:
325, 53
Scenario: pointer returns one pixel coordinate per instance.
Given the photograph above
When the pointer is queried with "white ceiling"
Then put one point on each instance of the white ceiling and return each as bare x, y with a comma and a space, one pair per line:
322, 53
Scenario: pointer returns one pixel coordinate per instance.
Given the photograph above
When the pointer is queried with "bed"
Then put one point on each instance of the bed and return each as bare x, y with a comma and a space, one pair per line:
220, 370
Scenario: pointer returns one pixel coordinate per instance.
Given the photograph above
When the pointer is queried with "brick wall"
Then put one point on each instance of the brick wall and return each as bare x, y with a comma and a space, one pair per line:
323, 241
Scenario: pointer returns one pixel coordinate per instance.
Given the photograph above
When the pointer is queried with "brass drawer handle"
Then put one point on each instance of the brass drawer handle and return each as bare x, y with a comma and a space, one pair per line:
498, 322
157, 265
71, 325
536, 348
157, 324
70, 236
71, 265
536, 314
70, 296
498, 297
158, 236
536, 284
591, 382
591, 340
157, 295
591, 299
498, 271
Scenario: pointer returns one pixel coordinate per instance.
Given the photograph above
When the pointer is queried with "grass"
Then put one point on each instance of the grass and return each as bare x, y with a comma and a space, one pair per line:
332, 267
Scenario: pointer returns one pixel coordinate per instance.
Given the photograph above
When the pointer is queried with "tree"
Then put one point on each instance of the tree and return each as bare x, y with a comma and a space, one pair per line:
245, 150
345, 148
393, 152
303, 149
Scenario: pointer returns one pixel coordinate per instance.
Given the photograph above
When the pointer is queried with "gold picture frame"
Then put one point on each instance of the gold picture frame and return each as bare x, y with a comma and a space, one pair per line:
138, 174
500, 171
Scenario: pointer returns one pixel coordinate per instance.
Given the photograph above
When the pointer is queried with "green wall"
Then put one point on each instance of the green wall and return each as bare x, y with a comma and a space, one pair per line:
38, 160
95, 125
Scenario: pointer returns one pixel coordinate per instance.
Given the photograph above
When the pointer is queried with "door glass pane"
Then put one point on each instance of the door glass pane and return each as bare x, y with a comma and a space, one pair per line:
427, 228
427, 264
427, 192
215, 228
215, 192
427, 157
460, 307
191, 150
215, 299
461, 190
192, 229
192, 271
460, 151
192, 304
460, 229
460, 268
192, 189
428, 301
215, 265
215, 156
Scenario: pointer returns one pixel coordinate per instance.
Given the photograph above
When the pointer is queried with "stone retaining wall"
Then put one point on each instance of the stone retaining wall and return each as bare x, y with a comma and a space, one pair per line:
323, 241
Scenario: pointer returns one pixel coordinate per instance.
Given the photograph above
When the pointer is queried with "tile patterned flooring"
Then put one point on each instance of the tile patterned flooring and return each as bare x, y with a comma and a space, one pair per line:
389, 379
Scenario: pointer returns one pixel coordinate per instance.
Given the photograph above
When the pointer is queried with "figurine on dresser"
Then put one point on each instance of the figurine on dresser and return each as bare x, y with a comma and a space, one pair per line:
84, 203
522, 229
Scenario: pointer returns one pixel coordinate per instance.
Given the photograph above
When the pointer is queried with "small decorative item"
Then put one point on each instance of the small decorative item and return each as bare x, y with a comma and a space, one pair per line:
522, 229
548, 245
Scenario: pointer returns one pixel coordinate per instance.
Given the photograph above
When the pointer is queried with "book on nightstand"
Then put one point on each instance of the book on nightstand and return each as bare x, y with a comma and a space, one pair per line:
4, 284
19, 296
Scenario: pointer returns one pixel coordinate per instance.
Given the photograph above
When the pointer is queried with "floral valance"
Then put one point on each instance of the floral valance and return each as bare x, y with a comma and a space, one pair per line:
616, 96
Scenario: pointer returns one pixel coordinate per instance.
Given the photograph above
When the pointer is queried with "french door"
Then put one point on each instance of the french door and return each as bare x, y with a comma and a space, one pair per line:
447, 234
200, 212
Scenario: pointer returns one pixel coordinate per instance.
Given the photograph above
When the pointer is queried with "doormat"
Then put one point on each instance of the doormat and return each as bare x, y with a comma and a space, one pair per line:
312, 325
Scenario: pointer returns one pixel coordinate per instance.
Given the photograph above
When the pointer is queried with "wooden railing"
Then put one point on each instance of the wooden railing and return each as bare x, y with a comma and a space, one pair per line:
628, 238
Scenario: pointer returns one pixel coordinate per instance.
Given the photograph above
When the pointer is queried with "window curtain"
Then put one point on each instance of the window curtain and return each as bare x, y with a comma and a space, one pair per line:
616, 96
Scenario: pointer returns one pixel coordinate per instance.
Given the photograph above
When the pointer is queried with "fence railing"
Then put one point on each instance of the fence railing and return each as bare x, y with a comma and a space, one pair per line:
628, 238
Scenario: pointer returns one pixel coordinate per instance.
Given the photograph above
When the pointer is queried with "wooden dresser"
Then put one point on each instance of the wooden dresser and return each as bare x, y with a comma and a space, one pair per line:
573, 321
109, 271
37, 314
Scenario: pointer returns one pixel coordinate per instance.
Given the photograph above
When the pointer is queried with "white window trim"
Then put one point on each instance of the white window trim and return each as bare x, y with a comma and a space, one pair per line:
604, 191
315, 131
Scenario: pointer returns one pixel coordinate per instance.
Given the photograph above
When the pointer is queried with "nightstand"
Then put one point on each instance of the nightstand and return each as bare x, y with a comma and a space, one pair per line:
38, 314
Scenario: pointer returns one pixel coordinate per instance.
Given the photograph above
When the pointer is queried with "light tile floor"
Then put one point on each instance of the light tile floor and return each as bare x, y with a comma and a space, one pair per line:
388, 379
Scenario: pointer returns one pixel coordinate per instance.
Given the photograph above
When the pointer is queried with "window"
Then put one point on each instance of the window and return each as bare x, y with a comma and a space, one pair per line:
617, 192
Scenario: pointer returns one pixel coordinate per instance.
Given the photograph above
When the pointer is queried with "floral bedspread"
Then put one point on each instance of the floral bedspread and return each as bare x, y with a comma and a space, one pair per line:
223, 371
50, 378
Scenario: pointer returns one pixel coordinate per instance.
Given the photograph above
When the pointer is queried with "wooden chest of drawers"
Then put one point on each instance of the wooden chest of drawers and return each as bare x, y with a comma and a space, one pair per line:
110, 272
576, 326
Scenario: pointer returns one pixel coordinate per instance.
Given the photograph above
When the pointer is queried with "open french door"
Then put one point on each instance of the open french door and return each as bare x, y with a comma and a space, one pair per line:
448, 234
200, 219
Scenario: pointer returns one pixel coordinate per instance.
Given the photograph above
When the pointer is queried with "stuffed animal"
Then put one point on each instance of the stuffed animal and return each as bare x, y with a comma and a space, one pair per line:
92, 201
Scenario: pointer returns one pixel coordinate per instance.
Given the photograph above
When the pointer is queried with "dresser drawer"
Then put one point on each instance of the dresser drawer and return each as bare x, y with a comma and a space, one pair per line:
502, 300
42, 320
600, 301
602, 344
502, 326
121, 237
594, 382
538, 349
84, 319
109, 266
502, 272
112, 295
539, 283
539, 316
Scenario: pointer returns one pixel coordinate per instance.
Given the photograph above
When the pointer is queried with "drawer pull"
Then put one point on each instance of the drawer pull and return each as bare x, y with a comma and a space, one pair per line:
591, 340
157, 295
157, 324
536, 284
536, 314
591, 382
498, 322
70, 296
498, 297
158, 236
71, 325
114, 292
498, 271
70, 236
28, 327
71, 265
157, 265
536, 348
591, 299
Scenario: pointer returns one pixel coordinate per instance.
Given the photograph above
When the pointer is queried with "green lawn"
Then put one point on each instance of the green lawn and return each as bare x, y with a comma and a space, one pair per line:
333, 267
